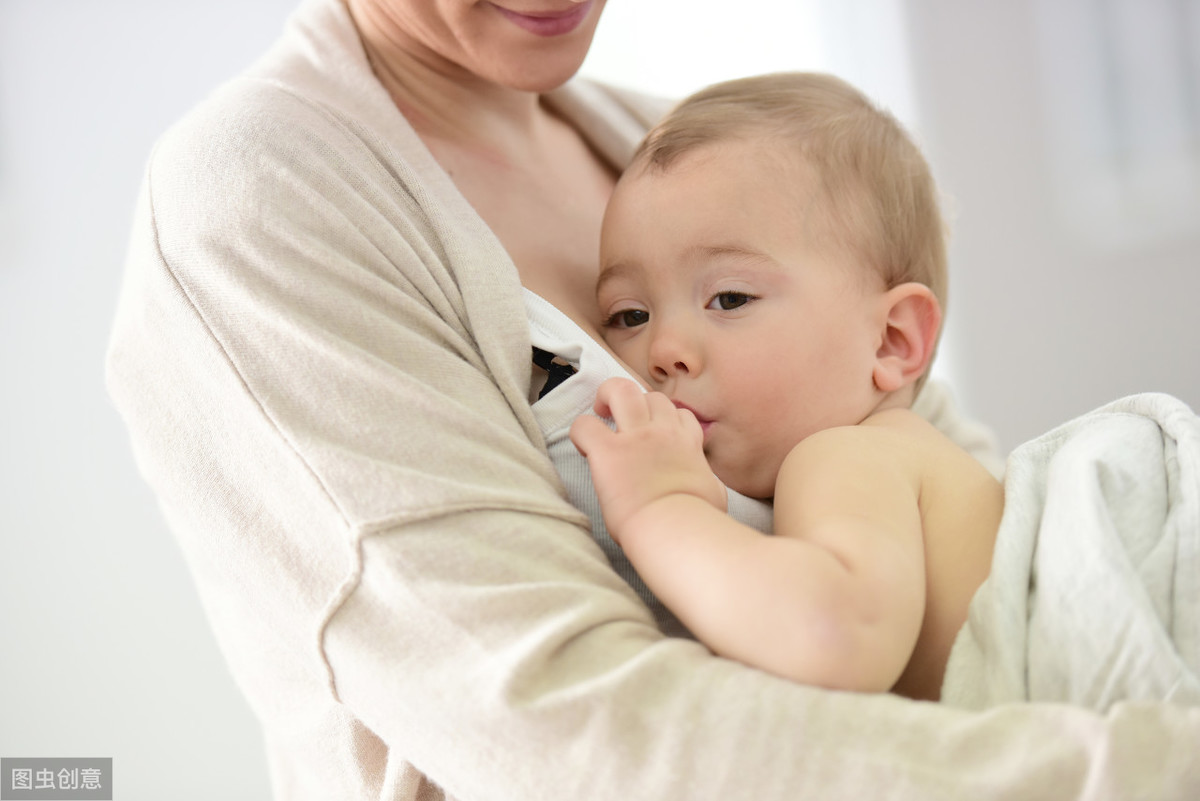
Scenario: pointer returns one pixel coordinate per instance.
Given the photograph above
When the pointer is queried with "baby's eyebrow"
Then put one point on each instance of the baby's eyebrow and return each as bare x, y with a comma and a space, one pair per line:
735, 250
617, 270
612, 272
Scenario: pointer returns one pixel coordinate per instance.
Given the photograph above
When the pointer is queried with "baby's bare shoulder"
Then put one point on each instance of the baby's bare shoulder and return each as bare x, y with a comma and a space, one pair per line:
945, 471
891, 442
914, 445
911, 430
894, 434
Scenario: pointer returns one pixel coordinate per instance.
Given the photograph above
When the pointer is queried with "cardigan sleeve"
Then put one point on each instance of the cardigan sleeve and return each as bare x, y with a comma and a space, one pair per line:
379, 538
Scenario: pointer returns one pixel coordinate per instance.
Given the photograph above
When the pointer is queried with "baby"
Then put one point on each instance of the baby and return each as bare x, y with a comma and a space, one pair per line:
773, 268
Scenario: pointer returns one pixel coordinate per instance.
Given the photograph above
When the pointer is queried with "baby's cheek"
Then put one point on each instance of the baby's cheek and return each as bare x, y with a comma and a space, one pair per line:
632, 359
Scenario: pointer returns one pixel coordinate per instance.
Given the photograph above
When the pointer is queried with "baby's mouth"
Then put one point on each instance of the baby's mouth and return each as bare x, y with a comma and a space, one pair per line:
705, 423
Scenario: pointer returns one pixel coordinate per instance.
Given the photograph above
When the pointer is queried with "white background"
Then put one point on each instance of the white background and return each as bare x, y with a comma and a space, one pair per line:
1058, 304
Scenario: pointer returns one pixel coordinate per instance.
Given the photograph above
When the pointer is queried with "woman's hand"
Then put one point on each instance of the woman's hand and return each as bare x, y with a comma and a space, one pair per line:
656, 451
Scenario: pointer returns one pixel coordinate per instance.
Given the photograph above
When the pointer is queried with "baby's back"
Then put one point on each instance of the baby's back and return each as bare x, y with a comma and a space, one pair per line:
960, 504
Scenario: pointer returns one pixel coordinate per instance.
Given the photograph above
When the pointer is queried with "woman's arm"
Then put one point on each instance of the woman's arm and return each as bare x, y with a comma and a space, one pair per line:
384, 553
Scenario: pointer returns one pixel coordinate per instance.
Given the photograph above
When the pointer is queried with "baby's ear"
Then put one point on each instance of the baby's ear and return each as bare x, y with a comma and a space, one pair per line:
912, 319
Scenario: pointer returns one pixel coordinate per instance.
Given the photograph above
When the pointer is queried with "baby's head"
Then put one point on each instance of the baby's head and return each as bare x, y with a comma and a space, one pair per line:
774, 259
871, 194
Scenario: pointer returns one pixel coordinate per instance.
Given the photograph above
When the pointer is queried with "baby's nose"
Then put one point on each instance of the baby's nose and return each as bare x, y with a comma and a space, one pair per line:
671, 355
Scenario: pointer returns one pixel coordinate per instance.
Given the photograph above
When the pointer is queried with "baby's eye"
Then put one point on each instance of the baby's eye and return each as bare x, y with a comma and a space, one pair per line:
627, 318
725, 301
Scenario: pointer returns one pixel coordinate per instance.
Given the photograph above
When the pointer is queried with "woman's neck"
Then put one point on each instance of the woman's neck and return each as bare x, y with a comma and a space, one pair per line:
443, 101
528, 173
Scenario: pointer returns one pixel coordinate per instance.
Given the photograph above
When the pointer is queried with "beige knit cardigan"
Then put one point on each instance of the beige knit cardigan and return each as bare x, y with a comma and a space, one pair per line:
322, 358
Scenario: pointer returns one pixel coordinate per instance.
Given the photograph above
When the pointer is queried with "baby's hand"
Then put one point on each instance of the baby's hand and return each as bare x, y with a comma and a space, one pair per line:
656, 451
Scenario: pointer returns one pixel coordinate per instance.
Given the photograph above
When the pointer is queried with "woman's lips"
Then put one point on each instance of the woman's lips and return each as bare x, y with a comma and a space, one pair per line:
549, 23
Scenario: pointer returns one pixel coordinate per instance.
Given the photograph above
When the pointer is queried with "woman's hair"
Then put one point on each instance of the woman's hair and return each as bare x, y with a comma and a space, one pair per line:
875, 192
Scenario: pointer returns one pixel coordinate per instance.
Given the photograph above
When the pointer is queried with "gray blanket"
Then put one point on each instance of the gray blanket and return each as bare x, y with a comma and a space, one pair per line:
1094, 593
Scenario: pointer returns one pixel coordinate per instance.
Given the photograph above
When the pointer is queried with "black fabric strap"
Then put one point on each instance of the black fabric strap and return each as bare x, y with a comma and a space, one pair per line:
557, 369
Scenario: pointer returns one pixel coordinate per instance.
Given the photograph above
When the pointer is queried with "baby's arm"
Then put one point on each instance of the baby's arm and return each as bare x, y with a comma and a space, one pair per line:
848, 524
836, 598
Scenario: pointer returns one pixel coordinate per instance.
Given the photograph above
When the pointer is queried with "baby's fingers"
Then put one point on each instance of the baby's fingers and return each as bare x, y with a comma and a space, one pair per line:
588, 432
623, 401
661, 407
